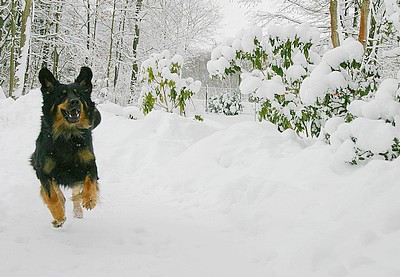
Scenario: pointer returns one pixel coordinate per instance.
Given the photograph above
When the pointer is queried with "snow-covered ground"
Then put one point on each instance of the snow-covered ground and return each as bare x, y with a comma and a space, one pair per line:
223, 197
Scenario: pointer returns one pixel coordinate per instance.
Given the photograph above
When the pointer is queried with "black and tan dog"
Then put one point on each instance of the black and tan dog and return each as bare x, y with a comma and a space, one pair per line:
64, 150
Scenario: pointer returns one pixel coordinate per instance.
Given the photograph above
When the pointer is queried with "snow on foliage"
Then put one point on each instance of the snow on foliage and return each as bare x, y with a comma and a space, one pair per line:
375, 131
337, 94
393, 13
331, 75
163, 85
223, 57
228, 104
272, 69
384, 106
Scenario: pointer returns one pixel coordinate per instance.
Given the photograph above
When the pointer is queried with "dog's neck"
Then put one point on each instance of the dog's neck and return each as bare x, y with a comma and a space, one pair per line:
67, 132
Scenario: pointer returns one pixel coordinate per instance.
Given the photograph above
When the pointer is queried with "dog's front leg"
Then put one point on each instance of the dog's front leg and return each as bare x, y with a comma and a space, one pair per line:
55, 201
90, 193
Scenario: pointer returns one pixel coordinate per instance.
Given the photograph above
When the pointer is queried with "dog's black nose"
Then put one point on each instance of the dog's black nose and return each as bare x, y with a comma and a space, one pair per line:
74, 102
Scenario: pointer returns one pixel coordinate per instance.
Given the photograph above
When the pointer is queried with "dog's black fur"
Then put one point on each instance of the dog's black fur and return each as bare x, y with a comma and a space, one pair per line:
64, 149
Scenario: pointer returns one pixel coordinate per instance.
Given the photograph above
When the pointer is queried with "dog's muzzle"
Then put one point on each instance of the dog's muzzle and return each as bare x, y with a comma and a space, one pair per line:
72, 116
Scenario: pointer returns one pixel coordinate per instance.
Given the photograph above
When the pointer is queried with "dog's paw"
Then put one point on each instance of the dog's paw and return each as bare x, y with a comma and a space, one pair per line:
89, 202
58, 223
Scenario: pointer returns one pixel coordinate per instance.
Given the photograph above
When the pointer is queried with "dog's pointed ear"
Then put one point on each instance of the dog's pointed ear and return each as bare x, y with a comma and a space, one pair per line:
85, 78
47, 80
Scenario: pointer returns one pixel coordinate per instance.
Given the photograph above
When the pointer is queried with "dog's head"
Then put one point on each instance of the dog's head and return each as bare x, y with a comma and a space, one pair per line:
67, 107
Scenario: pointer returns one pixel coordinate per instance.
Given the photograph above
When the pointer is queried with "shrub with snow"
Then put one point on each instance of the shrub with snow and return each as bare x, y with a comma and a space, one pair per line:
339, 79
272, 71
295, 87
300, 91
163, 85
227, 103
375, 131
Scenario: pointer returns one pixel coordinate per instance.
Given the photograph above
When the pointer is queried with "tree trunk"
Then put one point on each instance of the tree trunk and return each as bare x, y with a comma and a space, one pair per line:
26, 87
334, 23
87, 59
95, 20
111, 43
362, 35
44, 51
120, 44
135, 43
356, 15
135, 66
43, 24
25, 16
12, 54
23, 48
4, 14
56, 53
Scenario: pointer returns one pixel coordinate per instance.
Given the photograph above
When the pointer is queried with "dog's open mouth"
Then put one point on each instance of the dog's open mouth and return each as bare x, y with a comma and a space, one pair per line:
72, 116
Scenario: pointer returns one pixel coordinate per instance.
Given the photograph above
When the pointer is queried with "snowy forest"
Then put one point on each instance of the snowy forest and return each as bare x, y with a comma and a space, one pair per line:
269, 151
64, 35
113, 37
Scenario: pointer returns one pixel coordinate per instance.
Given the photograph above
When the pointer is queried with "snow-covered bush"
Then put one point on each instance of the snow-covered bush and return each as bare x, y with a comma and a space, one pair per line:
296, 89
272, 71
393, 13
227, 103
339, 79
291, 59
240, 54
374, 132
163, 85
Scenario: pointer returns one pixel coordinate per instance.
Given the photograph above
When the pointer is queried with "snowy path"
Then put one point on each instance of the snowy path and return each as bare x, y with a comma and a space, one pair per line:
143, 239
126, 234
184, 198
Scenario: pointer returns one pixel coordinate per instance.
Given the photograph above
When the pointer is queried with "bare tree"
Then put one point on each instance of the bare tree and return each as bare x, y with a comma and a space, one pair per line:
315, 12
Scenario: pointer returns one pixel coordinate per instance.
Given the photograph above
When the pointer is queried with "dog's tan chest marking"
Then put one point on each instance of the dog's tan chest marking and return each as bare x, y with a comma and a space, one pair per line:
49, 165
85, 156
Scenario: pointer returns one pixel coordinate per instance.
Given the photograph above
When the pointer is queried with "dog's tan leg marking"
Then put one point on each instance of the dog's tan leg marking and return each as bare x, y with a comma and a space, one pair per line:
89, 193
60, 195
56, 204
76, 199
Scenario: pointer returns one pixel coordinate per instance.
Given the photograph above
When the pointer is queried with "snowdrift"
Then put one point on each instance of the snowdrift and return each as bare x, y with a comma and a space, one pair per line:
186, 198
